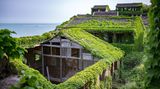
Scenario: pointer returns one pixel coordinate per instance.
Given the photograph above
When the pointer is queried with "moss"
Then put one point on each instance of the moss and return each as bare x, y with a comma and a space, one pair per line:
88, 75
139, 33
32, 41
95, 45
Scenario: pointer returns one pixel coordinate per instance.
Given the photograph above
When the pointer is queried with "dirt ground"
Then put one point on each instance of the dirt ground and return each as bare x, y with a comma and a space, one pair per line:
7, 82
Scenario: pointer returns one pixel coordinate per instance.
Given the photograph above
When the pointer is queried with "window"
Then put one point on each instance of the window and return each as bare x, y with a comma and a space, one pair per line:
65, 44
55, 43
63, 37
55, 51
46, 50
66, 52
46, 43
75, 52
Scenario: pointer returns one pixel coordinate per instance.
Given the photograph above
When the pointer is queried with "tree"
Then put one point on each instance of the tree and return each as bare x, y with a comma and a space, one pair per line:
8, 50
153, 48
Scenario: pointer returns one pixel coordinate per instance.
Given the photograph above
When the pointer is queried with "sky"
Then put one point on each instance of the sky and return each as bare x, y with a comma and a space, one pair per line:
50, 11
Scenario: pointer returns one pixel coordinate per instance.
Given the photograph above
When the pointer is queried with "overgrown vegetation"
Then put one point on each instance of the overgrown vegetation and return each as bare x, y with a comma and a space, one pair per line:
95, 45
103, 24
30, 78
139, 33
8, 50
108, 54
152, 55
133, 71
32, 41
89, 75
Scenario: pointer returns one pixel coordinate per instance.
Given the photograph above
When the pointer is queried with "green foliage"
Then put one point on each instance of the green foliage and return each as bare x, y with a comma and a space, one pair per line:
139, 33
152, 55
125, 47
145, 8
8, 46
109, 29
99, 48
95, 45
132, 59
133, 71
31, 41
88, 75
106, 84
73, 21
30, 78
8, 50
103, 24
131, 12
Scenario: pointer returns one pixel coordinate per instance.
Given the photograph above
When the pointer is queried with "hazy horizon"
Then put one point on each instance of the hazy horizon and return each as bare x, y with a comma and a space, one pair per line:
50, 11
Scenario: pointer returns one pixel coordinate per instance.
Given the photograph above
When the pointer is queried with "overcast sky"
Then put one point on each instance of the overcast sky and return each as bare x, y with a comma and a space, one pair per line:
50, 11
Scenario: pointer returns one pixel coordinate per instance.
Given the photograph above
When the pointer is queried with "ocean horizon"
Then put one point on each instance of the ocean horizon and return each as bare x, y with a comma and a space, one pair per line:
28, 29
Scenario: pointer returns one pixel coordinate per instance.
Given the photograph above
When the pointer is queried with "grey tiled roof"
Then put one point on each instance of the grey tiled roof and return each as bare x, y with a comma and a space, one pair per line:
129, 5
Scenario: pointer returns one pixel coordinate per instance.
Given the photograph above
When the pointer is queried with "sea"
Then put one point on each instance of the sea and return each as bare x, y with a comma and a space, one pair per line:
28, 29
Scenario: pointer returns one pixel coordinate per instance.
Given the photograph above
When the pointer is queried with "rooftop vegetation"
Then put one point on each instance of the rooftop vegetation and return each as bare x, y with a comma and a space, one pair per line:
103, 24
97, 46
32, 41
110, 24
80, 19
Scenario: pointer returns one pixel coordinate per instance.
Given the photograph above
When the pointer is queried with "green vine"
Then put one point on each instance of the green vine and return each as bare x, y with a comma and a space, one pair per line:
152, 48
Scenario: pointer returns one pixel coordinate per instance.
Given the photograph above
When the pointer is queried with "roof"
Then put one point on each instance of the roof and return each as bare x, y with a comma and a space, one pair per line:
96, 46
109, 13
99, 22
32, 41
100, 6
129, 5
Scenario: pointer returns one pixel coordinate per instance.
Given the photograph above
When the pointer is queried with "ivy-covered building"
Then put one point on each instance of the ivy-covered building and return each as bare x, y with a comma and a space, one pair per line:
84, 52
130, 9
113, 29
99, 9
66, 54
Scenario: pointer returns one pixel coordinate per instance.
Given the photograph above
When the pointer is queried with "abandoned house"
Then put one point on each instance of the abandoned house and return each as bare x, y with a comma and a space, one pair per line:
130, 9
99, 8
60, 58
